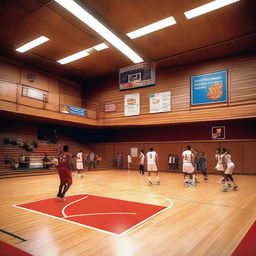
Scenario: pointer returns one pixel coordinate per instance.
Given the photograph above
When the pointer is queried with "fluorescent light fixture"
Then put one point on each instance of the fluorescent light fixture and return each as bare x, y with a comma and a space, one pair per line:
94, 24
32, 44
208, 8
152, 27
73, 57
100, 47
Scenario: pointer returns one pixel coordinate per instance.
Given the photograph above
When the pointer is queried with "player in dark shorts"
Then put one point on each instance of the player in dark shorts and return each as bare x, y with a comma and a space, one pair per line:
64, 168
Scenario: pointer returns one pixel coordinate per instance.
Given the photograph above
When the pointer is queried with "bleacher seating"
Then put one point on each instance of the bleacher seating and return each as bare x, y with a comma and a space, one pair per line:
36, 163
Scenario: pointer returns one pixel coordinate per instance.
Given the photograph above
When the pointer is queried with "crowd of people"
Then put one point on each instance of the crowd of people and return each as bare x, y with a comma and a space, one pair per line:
29, 146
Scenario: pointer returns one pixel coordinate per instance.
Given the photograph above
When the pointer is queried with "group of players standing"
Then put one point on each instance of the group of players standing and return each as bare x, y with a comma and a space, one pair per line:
224, 166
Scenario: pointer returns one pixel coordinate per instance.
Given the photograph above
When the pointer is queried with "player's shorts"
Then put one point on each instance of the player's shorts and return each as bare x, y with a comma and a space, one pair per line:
65, 177
188, 168
79, 166
152, 167
230, 168
219, 167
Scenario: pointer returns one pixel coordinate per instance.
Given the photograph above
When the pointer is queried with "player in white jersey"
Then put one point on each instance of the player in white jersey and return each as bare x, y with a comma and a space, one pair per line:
152, 160
220, 161
188, 168
229, 172
79, 164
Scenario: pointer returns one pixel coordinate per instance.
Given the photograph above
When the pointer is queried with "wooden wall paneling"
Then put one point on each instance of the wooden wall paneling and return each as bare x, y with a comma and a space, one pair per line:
41, 81
249, 154
53, 96
8, 91
107, 157
243, 77
9, 72
236, 149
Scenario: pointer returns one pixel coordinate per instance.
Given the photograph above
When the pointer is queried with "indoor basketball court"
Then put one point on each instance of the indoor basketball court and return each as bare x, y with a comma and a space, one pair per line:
127, 127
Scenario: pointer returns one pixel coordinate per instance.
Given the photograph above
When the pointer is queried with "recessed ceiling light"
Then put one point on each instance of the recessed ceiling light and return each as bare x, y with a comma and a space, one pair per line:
32, 44
73, 57
152, 27
93, 23
208, 8
100, 47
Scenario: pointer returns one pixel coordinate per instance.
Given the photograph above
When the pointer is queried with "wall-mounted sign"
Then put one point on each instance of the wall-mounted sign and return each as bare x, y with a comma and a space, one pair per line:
209, 88
132, 104
160, 102
73, 110
34, 93
218, 132
134, 152
110, 108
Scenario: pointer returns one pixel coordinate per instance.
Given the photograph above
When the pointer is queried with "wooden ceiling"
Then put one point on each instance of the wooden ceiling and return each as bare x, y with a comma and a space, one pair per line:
226, 31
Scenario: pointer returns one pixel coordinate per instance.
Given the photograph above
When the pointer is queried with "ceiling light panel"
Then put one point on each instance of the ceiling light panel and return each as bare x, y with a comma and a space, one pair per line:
94, 24
208, 8
74, 57
152, 27
100, 47
32, 44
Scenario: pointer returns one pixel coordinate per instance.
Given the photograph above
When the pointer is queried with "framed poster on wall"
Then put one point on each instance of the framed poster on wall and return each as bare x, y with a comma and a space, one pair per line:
132, 104
209, 88
160, 102
218, 132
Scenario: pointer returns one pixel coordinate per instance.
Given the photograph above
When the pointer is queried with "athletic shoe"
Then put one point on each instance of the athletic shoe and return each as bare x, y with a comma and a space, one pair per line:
59, 195
186, 183
235, 187
225, 189
150, 183
205, 178
158, 182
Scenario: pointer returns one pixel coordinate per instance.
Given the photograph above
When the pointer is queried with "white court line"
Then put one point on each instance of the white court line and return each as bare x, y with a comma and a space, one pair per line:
101, 213
101, 230
64, 208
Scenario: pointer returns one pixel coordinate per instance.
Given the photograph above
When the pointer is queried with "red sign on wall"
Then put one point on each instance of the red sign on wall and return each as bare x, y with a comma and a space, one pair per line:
110, 107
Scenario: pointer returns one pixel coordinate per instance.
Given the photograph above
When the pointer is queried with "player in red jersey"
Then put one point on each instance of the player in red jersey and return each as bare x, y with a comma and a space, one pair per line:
64, 168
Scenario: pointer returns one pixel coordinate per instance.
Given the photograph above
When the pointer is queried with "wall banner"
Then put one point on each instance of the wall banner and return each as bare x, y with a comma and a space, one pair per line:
209, 88
132, 104
72, 110
160, 102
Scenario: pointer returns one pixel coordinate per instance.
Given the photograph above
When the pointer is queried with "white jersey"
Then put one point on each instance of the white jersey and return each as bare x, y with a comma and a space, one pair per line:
219, 158
187, 156
142, 158
228, 159
151, 157
79, 157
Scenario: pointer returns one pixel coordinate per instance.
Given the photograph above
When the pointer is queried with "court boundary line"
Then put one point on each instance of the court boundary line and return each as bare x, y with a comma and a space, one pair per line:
97, 229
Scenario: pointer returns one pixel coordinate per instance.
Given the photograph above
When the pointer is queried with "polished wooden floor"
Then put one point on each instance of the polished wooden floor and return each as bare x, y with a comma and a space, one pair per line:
202, 221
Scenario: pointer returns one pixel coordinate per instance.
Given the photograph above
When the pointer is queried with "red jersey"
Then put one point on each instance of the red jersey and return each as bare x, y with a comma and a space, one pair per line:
64, 161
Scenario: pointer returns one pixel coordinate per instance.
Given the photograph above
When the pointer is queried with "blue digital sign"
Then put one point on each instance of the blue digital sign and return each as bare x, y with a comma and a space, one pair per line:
209, 88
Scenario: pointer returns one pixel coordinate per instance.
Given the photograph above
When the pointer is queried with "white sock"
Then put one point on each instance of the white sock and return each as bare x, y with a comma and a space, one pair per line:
149, 178
157, 178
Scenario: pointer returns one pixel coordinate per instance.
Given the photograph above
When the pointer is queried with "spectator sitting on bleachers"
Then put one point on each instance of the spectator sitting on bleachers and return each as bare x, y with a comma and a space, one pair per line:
46, 162
22, 161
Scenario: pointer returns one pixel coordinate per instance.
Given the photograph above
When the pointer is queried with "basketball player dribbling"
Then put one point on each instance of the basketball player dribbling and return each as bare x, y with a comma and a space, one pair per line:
188, 168
152, 160
64, 168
